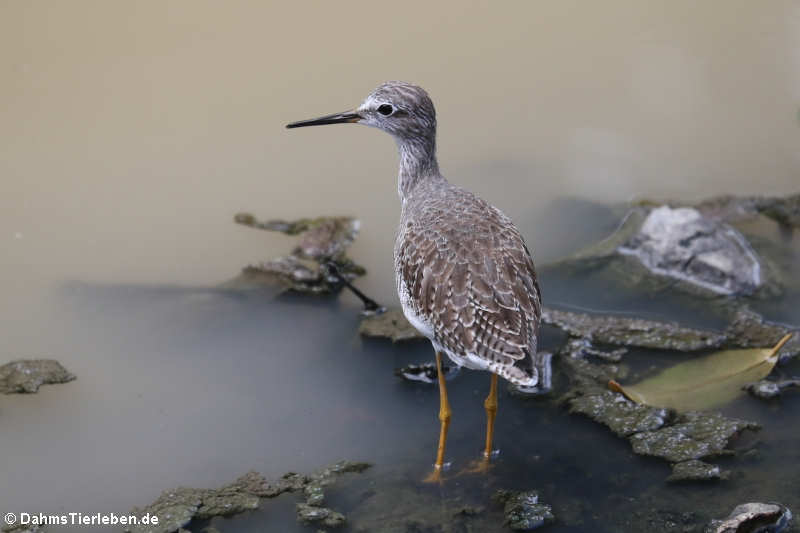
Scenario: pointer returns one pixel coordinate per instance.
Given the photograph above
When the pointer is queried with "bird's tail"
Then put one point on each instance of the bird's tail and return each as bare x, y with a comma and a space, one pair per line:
538, 379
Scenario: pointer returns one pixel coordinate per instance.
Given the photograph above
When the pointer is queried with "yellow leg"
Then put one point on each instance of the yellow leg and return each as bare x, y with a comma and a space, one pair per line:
491, 412
482, 465
444, 419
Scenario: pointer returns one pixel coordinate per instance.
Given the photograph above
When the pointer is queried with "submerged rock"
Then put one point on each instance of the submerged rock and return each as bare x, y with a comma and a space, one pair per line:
753, 518
522, 510
650, 517
694, 470
310, 514
323, 244
783, 210
395, 503
328, 474
27, 375
683, 244
771, 389
740, 247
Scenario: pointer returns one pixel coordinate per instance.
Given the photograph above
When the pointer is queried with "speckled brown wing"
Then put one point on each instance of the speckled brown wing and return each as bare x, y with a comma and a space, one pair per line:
468, 274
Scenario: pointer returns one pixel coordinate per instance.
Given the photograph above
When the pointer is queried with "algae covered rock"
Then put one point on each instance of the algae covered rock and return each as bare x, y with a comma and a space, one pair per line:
318, 264
311, 511
177, 507
692, 436
27, 375
587, 377
753, 518
749, 330
253, 483
391, 324
321, 238
619, 414
289, 482
523, 511
654, 431
632, 332
694, 470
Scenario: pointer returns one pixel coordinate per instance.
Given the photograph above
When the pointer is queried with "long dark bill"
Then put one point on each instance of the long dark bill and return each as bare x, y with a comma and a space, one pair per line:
336, 118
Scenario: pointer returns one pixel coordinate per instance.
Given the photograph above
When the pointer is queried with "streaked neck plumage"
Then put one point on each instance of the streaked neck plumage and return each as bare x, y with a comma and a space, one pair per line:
417, 162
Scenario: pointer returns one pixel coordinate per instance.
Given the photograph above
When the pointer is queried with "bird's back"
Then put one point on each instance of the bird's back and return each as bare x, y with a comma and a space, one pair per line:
467, 281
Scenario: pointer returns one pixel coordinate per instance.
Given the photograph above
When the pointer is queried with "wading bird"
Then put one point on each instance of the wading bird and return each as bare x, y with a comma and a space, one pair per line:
465, 278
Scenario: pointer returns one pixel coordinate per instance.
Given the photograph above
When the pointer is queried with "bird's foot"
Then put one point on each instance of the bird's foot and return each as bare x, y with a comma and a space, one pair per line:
481, 465
436, 474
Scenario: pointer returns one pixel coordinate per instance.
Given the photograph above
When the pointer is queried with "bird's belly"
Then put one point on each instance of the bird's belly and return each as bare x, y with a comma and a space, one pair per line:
416, 320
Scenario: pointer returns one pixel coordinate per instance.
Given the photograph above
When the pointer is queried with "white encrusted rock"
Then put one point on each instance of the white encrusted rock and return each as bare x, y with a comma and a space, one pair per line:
681, 243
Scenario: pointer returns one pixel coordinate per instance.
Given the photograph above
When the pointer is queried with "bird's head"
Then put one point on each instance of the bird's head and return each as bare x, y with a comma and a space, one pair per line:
403, 110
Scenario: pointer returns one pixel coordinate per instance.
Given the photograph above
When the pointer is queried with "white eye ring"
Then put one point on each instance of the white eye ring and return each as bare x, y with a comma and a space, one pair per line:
386, 109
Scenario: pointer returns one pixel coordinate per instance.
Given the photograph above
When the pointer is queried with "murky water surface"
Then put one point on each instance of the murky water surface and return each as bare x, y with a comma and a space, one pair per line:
131, 134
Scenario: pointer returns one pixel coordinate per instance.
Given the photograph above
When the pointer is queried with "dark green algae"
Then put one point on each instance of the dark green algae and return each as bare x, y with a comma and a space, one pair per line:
177, 508
27, 375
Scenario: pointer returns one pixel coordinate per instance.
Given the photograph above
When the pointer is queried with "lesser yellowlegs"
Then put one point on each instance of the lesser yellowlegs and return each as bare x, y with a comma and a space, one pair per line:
465, 278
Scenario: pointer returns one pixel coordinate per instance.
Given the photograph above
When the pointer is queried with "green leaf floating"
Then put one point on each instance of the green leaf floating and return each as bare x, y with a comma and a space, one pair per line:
705, 382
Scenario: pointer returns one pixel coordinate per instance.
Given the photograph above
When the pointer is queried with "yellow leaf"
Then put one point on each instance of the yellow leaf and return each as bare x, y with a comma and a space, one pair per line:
705, 382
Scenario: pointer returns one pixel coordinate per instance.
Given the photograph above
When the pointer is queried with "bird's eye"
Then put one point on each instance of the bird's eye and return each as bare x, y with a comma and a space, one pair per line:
386, 110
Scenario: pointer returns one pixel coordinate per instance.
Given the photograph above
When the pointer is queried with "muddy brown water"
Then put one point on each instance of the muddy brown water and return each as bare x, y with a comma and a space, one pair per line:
131, 134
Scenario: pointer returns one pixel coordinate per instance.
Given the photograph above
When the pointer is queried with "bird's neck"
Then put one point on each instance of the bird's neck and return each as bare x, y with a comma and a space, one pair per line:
417, 164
